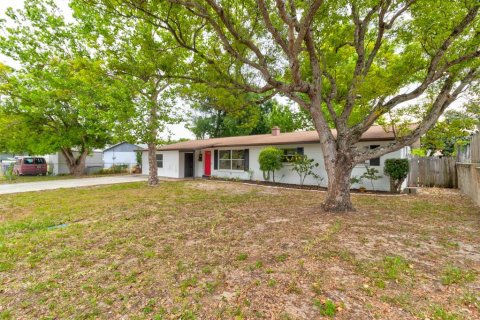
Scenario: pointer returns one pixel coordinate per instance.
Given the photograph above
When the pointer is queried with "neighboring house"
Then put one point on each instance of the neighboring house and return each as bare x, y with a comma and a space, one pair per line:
123, 153
57, 164
237, 157
6, 156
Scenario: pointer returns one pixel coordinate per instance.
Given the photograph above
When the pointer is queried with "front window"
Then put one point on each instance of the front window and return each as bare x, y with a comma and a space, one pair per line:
231, 160
160, 160
28, 160
289, 154
374, 161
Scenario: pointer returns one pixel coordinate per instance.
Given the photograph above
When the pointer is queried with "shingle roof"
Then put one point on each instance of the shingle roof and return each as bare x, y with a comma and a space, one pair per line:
118, 144
375, 133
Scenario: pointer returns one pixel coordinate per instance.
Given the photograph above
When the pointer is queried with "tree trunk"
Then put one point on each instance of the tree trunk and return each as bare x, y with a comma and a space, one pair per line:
76, 165
152, 132
338, 193
152, 164
393, 186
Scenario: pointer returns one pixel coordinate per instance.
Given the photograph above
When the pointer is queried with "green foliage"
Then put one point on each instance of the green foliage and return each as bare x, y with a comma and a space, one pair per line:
327, 308
419, 152
397, 170
356, 179
304, 167
9, 172
213, 120
454, 131
395, 267
59, 98
371, 174
270, 159
134, 59
454, 275
242, 256
439, 313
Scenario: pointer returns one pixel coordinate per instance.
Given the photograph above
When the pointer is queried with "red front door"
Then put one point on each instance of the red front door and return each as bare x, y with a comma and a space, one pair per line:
208, 163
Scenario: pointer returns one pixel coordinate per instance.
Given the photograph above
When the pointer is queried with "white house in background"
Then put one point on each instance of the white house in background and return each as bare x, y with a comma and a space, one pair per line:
122, 153
237, 157
57, 163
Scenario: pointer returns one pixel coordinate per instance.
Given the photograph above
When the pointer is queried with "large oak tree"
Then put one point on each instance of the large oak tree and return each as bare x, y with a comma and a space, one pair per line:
348, 62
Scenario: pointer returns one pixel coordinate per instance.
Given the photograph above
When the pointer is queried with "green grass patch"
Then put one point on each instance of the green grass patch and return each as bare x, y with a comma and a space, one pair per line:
454, 275
326, 308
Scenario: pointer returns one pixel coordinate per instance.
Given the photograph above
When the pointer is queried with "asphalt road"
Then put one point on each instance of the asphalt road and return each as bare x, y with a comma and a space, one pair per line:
67, 183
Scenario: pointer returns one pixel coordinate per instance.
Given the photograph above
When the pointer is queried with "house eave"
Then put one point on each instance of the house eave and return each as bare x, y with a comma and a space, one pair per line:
213, 146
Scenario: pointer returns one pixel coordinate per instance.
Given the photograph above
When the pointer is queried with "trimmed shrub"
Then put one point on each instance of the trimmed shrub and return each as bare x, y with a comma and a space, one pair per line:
397, 170
270, 159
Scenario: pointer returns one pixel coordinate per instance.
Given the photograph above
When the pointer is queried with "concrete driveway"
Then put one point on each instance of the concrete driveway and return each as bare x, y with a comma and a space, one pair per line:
67, 183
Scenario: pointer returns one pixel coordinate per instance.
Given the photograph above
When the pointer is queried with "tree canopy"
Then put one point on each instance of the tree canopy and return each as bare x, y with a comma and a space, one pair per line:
451, 132
213, 122
349, 63
141, 56
59, 97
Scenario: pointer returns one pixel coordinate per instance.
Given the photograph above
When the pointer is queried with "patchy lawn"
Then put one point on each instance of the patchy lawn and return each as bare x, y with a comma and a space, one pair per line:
216, 250
22, 179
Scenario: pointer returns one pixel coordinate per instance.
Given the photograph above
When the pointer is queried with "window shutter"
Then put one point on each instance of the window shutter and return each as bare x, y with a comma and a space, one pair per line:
300, 151
247, 159
215, 160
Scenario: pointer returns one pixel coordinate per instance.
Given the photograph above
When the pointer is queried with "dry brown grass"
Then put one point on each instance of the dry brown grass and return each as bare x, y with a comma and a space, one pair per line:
217, 250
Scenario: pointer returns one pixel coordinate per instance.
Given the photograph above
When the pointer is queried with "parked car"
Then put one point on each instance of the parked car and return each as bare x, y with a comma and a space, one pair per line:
30, 166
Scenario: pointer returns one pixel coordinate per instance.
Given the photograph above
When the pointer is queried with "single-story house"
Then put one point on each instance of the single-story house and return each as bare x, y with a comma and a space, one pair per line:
7, 156
122, 153
237, 157
57, 164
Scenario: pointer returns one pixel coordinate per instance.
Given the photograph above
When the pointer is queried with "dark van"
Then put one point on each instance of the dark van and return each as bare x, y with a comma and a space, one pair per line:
30, 166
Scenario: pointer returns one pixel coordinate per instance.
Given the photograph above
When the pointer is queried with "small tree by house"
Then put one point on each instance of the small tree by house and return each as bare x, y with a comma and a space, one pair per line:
397, 170
304, 166
372, 175
270, 159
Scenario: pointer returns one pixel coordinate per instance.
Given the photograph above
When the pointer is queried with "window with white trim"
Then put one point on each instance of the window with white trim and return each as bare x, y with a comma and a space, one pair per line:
159, 160
289, 154
231, 159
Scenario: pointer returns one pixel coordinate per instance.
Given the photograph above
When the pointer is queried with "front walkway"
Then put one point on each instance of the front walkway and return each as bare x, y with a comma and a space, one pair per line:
68, 183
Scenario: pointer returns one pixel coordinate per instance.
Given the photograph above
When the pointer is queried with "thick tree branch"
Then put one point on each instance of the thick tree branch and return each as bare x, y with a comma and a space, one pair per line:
444, 99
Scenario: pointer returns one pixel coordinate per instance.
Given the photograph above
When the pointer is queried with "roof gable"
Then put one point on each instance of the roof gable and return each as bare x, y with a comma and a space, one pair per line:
124, 146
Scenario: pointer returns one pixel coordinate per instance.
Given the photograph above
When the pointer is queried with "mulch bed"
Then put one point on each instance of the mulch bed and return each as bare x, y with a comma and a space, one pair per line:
296, 186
